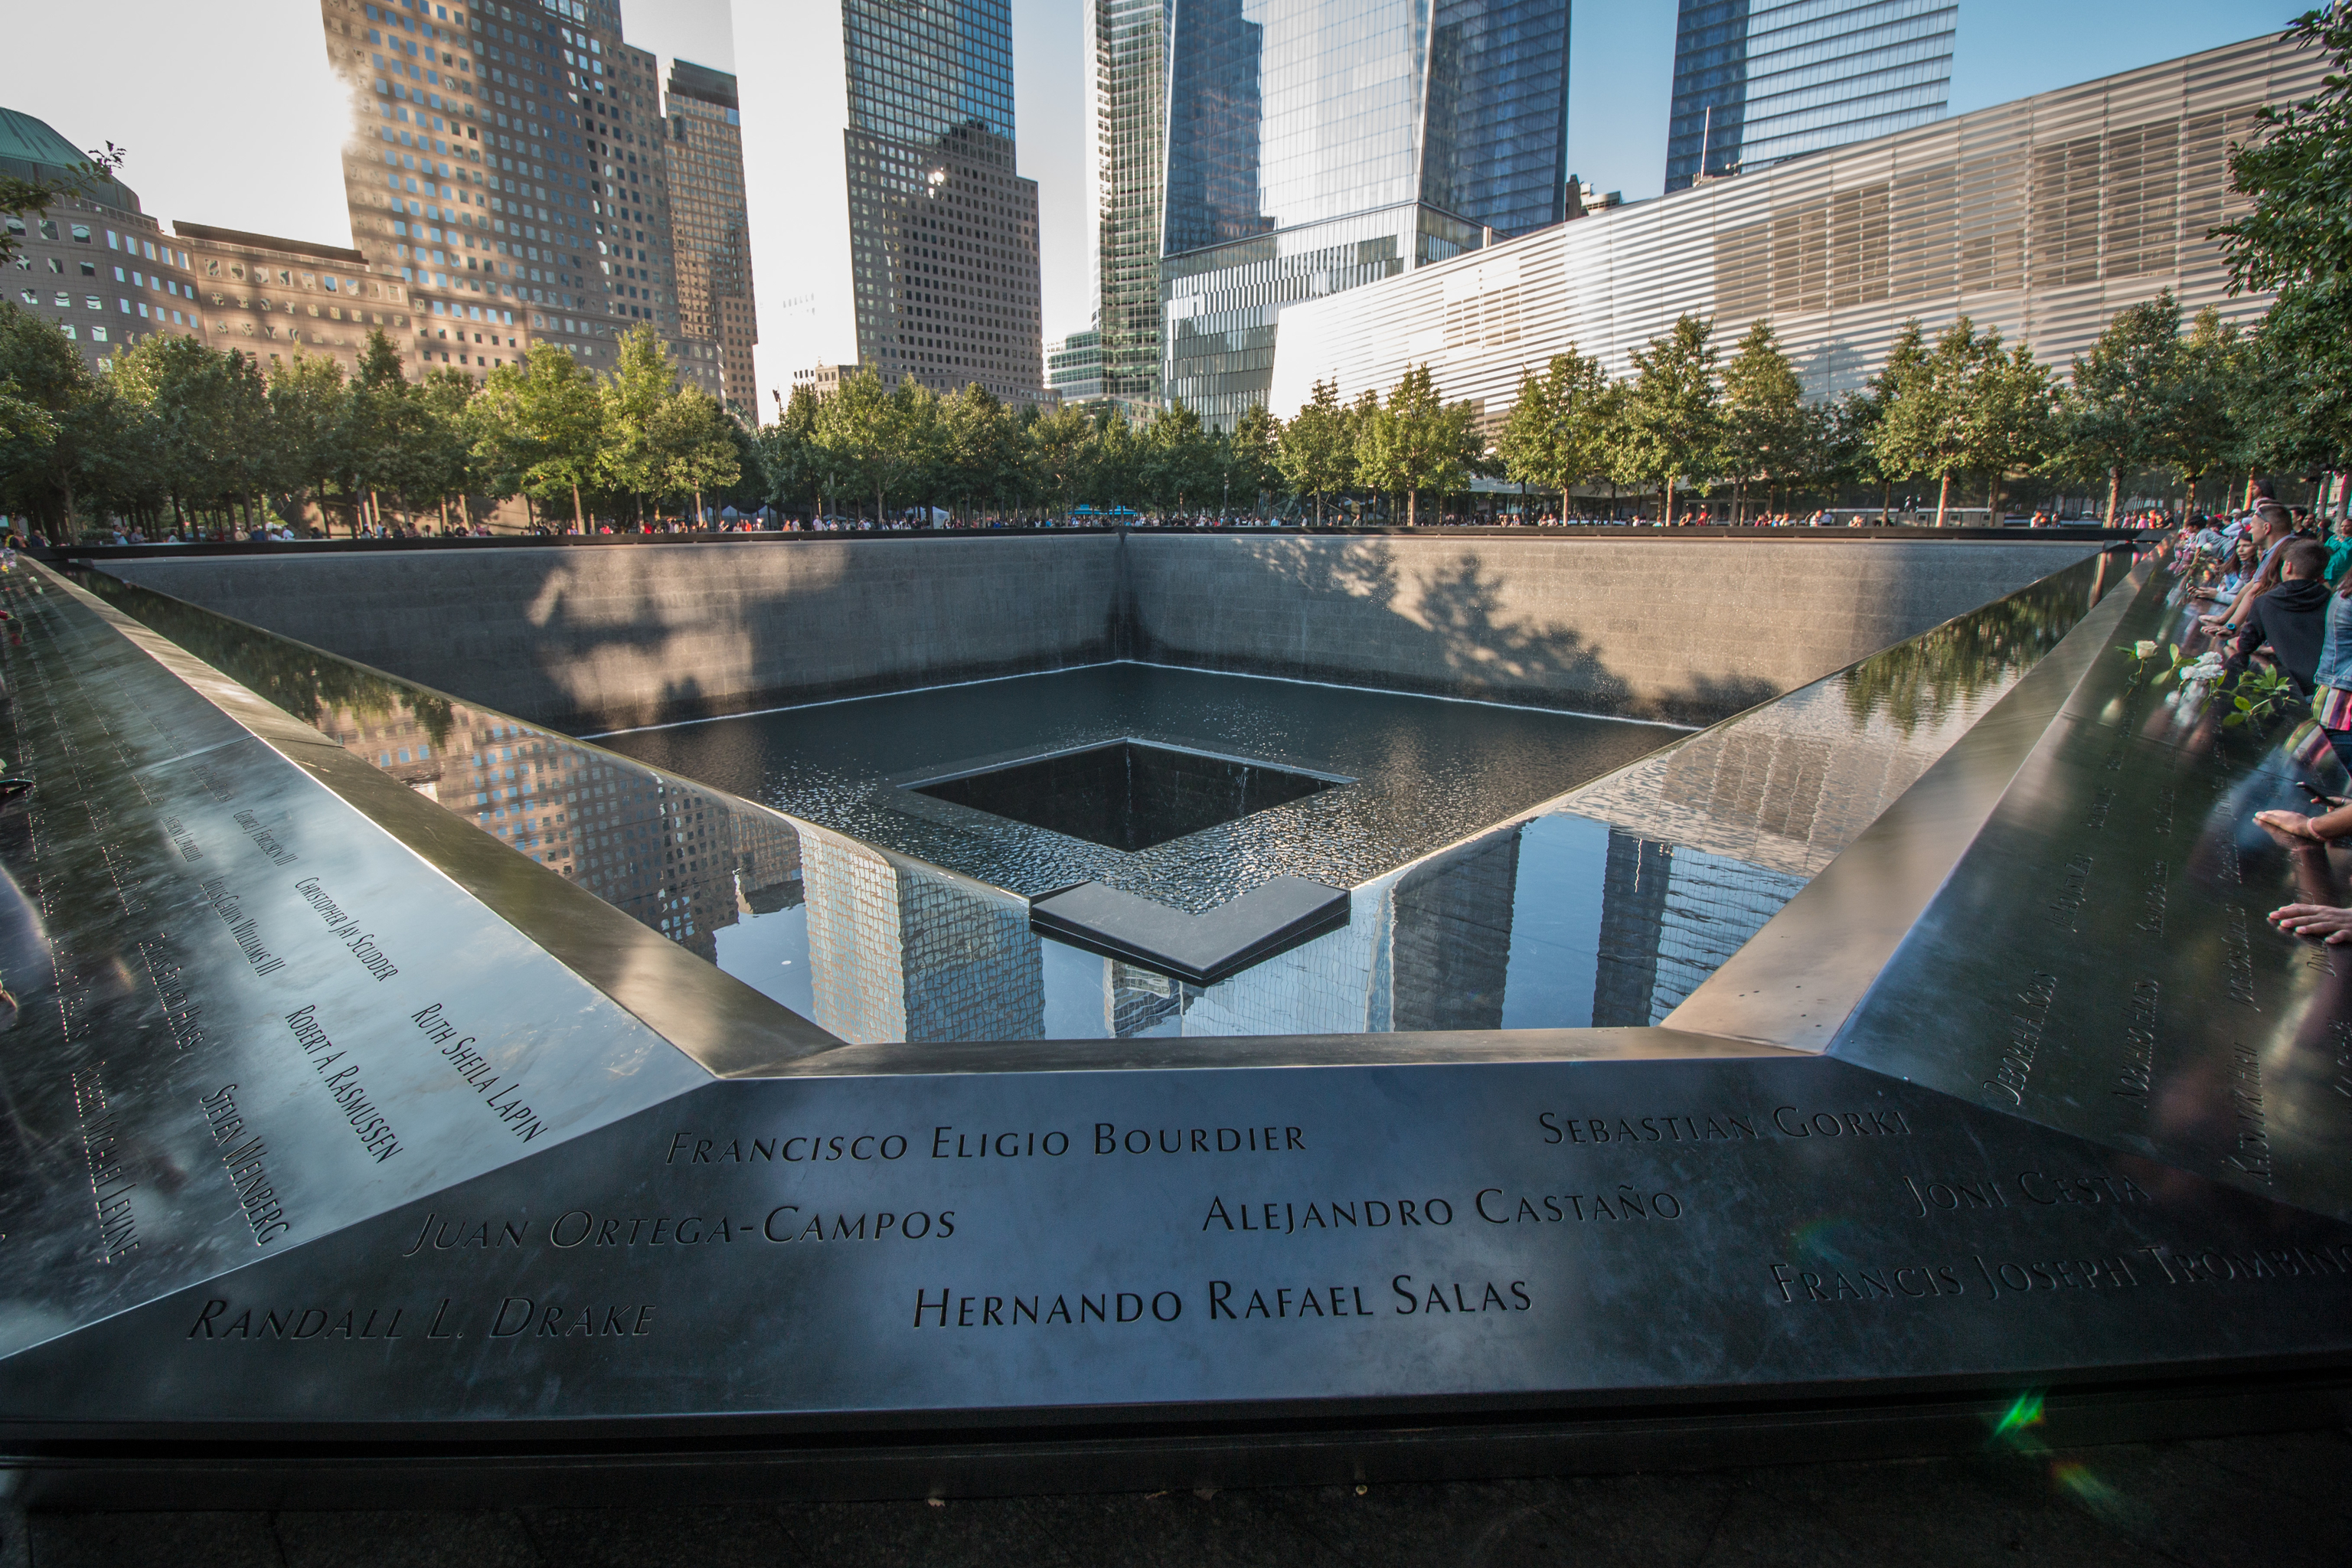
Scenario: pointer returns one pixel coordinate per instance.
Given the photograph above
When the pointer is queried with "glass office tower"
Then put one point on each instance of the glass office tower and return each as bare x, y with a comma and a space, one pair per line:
507, 162
710, 228
942, 230
1756, 81
1254, 153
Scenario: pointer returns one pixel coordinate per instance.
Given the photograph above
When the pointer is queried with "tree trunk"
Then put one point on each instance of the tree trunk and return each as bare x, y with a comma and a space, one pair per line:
1885, 502
576, 519
1943, 496
1411, 506
1666, 504
2114, 493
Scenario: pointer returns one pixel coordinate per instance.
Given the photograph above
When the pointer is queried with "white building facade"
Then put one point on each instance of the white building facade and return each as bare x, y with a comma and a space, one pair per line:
2041, 217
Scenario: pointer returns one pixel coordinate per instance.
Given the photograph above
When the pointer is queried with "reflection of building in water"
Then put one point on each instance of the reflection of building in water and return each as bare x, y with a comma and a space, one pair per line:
1451, 943
900, 952
768, 858
1143, 1002
1670, 915
1632, 911
663, 851
1336, 984
1714, 904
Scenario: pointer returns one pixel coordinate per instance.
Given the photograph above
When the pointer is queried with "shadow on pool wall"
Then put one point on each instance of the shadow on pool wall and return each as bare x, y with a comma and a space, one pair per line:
1685, 630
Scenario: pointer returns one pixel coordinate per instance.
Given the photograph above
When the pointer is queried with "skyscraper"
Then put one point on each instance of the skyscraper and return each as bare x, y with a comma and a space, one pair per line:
710, 230
1251, 157
1756, 81
508, 164
916, 236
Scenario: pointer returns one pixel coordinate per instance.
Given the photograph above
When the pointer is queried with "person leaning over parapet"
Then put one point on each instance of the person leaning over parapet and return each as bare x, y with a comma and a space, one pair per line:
2270, 529
2331, 706
2291, 618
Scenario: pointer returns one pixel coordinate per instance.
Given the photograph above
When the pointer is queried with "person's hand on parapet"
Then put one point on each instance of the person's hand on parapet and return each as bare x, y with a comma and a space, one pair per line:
2293, 824
2322, 920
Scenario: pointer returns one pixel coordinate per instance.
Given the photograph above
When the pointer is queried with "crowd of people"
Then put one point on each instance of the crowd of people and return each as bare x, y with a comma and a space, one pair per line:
2280, 590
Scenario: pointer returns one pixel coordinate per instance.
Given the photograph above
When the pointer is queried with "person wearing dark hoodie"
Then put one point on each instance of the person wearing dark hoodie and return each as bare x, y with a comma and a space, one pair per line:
2291, 618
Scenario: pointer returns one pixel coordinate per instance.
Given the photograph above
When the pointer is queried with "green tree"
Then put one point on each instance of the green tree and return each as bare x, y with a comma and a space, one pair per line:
693, 440
306, 419
62, 421
1860, 418
544, 425
1061, 446
2125, 406
2011, 403
1670, 423
877, 438
1180, 459
1417, 442
1556, 433
2295, 391
1248, 456
2223, 385
631, 397
2297, 170
1967, 405
1314, 451
440, 459
794, 463
378, 418
1771, 435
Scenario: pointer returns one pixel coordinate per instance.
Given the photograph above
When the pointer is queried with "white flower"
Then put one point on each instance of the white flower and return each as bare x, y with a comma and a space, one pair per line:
2144, 650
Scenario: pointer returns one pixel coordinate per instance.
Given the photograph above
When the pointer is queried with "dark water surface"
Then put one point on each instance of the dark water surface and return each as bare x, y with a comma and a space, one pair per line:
1424, 773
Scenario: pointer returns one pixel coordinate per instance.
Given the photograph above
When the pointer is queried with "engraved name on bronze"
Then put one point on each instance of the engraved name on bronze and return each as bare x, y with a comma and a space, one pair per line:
246, 1159
1067, 1308
799, 1149
1291, 1216
344, 926
1112, 1138
500, 1093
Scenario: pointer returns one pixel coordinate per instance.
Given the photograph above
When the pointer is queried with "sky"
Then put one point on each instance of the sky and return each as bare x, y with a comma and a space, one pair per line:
248, 153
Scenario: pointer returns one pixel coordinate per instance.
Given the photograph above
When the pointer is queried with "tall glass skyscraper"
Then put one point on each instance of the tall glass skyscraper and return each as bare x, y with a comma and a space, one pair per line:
942, 230
886, 127
1254, 153
1756, 81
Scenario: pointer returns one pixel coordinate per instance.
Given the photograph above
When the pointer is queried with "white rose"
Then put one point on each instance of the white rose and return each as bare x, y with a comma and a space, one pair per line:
2144, 650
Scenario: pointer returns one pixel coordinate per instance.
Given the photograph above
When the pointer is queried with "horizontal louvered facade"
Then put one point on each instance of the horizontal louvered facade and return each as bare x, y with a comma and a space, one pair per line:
2041, 217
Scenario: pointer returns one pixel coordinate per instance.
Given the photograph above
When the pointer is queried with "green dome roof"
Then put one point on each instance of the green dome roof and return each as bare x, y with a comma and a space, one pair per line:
32, 150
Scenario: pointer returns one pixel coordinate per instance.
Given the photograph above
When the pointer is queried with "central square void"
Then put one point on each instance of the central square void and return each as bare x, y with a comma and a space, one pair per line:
1127, 794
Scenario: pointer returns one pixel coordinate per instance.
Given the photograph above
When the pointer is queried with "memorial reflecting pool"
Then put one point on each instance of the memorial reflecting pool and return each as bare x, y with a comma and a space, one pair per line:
1506, 867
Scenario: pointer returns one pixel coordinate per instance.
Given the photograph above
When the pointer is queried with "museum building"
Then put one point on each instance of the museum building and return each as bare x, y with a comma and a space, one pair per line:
2038, 218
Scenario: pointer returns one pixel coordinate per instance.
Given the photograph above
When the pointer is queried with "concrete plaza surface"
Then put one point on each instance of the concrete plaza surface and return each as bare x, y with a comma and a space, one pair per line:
2280, 1501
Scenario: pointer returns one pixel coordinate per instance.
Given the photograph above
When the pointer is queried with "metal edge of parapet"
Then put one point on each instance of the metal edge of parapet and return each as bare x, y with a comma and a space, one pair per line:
722, 1024
1796, 981
1455, 1047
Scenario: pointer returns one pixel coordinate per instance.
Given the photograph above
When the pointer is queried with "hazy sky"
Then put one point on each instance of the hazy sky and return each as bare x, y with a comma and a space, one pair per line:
247, 152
